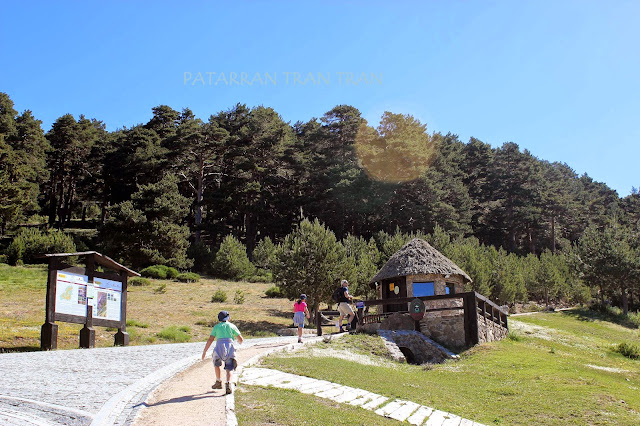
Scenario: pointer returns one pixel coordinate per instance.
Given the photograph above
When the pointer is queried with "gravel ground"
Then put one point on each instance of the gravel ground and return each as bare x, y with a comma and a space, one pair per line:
99, 386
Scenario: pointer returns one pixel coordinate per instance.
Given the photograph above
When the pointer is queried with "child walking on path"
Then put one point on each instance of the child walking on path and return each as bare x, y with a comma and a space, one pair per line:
224, 352
299, 312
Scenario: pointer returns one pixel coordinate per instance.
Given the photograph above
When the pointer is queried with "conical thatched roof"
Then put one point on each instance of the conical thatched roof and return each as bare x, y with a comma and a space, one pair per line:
418, 257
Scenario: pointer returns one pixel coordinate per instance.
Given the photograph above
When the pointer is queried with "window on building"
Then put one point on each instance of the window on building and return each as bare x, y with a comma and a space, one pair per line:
423, 289
450, 289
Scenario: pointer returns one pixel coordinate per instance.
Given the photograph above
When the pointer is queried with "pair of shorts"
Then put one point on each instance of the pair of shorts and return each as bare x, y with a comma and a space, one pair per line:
298, 319
345, 309
224, 352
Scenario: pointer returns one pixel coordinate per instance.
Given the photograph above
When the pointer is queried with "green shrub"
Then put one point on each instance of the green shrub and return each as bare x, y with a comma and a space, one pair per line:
231, 261
514, 336
134, 323
634, 318
172, 273
261, 276
155, 271
188, 277
238, 298
139, 282
219, 296
175, 334
273, 292
629, 350
161, 289
264, 255
3, 258
31, 243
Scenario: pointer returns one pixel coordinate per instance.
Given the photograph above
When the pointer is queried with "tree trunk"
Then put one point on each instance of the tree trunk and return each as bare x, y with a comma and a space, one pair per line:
625, 301
199, 195
546, 297
553, 233
250, 233
53, 202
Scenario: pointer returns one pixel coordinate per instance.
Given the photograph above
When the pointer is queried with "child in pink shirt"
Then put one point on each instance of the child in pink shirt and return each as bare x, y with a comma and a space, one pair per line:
299, 312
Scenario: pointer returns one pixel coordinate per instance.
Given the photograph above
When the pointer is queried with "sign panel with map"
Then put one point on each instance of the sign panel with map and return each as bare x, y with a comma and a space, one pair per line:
107, 302
71, 294
74, 292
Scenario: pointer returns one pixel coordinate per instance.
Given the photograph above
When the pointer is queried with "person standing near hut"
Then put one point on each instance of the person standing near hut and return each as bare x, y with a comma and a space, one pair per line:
344, 307
299, 312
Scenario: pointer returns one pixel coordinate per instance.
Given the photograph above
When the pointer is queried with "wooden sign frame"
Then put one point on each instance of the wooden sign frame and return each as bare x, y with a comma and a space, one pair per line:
49, 330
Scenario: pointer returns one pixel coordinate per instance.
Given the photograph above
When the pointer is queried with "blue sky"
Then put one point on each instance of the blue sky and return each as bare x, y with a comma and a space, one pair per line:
559, 78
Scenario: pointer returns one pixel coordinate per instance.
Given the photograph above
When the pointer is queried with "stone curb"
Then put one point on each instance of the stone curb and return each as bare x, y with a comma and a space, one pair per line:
117, 404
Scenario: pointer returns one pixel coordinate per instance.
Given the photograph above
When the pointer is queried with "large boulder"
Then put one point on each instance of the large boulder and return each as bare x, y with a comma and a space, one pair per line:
398, 321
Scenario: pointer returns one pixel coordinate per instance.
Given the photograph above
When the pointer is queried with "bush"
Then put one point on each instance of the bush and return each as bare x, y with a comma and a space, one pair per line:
231, 260
629, 350
219, 296
514, 336
134, 323
264, 255
172, 273
161, 289
139, 282
30, 243
175, 334
273, 292
634, 318
261, 276
155, 271
238, 298
188, 277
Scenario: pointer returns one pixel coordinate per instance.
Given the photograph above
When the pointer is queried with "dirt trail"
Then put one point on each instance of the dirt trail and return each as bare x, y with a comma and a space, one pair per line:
187, 398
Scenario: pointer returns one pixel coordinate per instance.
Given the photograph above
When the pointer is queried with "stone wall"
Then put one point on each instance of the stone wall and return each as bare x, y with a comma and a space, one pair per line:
414, 347
447, 330
488, 331
445, 327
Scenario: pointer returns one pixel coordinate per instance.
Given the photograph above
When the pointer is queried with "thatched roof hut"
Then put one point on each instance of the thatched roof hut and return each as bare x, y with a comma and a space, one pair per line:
418, 257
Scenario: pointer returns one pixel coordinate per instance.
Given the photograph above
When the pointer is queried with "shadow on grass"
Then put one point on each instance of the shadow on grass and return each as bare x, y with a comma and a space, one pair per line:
258, 328
8, 350
588, 315
280, 313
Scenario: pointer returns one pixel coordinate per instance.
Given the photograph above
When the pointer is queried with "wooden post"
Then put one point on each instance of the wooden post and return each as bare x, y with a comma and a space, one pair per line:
49, 330
318, 324
470, 319
121, 338
88, 334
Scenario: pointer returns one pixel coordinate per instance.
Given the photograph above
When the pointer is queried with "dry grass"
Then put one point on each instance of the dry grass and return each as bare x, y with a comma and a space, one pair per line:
22, 311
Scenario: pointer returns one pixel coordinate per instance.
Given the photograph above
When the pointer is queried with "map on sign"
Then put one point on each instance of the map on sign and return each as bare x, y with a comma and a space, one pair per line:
108, 297
71, 294
74, 292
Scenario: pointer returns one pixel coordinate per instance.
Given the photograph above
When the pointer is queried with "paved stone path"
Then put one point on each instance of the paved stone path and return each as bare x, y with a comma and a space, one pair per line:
397, 409
100, 386
106, 386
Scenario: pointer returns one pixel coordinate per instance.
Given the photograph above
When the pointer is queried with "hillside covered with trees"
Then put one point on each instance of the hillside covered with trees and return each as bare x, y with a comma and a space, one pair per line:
172, 190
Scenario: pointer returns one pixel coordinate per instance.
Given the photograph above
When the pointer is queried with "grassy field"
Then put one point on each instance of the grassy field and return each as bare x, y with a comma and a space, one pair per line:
556, 368
163, 312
